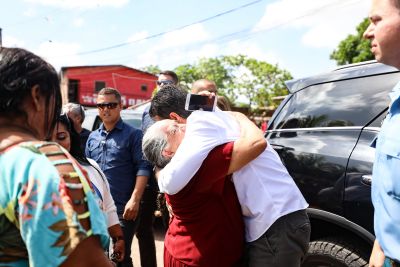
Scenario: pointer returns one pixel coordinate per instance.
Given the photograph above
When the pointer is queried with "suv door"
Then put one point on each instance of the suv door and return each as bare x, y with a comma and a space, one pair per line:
314, 134
323, 135
359, 170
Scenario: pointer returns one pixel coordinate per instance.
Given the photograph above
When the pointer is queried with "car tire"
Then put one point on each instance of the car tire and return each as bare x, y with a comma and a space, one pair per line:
335, 253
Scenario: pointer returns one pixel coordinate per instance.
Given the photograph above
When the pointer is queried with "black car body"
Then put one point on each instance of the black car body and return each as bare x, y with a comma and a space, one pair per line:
323, 132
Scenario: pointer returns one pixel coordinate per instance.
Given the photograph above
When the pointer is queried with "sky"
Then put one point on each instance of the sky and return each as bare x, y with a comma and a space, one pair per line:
298, 35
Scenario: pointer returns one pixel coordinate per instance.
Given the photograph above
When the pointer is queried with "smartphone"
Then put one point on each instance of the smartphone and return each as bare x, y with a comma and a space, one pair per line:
200, 102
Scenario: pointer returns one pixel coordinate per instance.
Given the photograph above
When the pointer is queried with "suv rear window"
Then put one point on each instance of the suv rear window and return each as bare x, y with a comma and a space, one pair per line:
339, 103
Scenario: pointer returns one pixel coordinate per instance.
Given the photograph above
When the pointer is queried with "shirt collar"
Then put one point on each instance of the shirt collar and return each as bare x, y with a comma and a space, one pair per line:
119, 125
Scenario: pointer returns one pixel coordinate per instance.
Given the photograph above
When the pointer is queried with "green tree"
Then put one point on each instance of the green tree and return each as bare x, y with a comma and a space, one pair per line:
207, 68
238, 76
257, 80
155, 69
187, 74
354, 48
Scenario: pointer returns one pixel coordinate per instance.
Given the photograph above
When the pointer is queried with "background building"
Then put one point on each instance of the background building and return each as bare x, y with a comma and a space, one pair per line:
80, 84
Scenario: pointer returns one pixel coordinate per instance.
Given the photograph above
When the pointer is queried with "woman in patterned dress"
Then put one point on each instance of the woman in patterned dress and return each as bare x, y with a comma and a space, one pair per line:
48, 213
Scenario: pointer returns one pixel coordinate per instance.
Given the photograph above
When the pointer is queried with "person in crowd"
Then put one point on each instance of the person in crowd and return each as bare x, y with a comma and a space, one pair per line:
204, 85
210, 86
66, 135
167, 77
48, 213
144, 233
272, 205
164, 78
77, 114
384, 33
117, 149
206, 228
264, 125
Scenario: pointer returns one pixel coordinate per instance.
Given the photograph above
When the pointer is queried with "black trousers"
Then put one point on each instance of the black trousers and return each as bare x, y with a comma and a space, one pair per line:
144, 232
284, 244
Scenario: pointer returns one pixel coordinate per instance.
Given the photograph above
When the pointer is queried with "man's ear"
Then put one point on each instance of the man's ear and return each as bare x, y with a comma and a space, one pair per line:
167, 153
36, 97
176, 117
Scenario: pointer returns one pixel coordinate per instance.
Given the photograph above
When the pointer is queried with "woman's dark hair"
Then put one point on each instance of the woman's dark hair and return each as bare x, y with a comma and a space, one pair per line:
75, 149
20, 70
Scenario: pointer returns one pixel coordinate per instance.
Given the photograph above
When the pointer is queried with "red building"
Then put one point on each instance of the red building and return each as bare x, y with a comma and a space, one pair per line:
80, 84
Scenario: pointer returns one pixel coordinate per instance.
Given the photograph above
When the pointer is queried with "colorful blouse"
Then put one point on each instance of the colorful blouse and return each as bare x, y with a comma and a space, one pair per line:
38, 223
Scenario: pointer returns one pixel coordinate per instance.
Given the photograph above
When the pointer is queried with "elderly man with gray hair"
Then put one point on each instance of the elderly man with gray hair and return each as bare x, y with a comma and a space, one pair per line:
206, 227
77, 114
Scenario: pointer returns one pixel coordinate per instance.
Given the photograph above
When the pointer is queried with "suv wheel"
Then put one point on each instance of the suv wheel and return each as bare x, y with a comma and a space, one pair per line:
335, 253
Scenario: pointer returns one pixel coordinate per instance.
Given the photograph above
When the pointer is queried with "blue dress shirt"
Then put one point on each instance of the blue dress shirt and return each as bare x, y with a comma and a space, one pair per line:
119, 155
147, 121
386, 180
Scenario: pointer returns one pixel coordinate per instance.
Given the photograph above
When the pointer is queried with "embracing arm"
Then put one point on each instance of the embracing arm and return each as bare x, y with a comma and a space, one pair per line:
250, 144
204, 131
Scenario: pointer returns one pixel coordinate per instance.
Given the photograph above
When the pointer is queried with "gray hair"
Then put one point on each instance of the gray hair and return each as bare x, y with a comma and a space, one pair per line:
153, 144
74, 108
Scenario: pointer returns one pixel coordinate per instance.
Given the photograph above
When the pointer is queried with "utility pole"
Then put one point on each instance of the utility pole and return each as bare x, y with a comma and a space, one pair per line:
1, 42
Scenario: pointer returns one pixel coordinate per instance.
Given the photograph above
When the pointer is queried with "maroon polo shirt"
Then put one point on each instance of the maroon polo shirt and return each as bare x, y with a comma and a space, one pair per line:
207, 227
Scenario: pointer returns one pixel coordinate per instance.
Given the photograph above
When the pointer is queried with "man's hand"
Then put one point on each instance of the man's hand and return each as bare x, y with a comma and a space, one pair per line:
207, 93
131, 209
377, 258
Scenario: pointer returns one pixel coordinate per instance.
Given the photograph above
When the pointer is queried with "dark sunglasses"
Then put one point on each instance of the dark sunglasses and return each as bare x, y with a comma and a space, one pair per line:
164, 82
111, 105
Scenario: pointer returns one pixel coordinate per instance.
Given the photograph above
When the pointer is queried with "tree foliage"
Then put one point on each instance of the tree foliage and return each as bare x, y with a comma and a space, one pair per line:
238, 77
207, 68
154, 69
354, 48
258, 81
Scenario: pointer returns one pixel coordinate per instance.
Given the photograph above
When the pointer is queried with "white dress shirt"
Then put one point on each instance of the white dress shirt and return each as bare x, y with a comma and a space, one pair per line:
264, 188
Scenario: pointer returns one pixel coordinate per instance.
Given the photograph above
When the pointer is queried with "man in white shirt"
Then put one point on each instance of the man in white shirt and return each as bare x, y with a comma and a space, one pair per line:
277, 226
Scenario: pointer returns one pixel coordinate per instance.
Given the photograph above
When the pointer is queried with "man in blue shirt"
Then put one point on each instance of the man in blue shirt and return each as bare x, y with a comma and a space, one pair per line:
117, 148
384, 33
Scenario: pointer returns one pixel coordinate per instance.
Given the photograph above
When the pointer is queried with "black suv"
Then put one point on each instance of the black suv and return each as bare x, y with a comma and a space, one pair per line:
323, 131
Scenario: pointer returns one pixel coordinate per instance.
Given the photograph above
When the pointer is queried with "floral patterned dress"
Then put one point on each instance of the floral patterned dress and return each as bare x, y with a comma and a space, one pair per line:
39, 225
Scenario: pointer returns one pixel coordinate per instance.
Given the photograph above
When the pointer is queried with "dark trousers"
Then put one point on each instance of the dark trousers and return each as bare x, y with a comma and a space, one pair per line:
128, 229
144, 233
285, 243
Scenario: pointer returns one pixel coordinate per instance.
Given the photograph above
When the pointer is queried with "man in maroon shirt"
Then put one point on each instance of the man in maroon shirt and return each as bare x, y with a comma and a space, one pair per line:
206, 227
